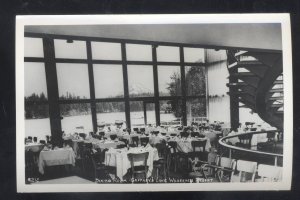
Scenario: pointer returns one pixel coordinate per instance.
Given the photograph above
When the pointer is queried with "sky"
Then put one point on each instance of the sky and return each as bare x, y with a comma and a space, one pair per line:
108, 79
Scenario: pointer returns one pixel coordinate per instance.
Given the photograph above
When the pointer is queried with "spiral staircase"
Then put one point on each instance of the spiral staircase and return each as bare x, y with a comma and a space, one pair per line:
256, 82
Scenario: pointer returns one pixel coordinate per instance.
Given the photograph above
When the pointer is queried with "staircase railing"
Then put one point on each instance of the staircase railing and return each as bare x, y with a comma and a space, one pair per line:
222, 141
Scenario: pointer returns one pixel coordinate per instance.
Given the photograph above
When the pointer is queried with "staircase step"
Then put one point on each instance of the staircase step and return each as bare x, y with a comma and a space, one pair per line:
241, 53
242, 74
243, 64
276, 105
275, 98
278, 82
276, 90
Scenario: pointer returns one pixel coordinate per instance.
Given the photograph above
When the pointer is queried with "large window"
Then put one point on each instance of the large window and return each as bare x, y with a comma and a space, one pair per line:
110, 112
73, 81
75, 62
37, 122
76, 118
169, 80
106, 51
108, 81
140, 80
195, 81
70, 49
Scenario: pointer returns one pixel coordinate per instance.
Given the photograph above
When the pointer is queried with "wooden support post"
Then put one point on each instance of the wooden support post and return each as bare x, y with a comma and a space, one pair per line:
92, 85
156, 89
125, 82
183, 86
52, 91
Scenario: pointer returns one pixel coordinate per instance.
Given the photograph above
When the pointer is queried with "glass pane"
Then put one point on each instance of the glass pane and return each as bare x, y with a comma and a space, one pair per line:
167, 54
73, 81
106, 51
195, 81
37, 122
110, 112
140, 80
108, 81
76, 118
169, 80
195, 110
137, 113
150, 114
35, 81
137, 117
33, 47
139, 52
170, 112
70, 49
193, 55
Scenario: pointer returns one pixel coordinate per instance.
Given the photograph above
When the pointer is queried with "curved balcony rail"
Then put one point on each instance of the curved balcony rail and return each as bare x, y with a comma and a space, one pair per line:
222, 141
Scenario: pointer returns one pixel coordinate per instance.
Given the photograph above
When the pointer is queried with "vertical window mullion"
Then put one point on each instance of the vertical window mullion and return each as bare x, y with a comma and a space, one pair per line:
125, 80
156, 89
91, 84
183, 86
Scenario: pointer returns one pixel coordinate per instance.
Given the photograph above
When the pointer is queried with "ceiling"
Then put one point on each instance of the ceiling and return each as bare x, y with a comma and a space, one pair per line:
258, 36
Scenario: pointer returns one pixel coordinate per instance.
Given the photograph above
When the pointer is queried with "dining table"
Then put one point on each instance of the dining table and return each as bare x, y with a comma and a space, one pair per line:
58, 156
119, 158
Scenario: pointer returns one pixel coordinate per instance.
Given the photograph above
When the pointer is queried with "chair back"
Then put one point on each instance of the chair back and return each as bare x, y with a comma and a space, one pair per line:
83, 135
198, 144
269, 173
35, 139
245, 140
133, 157
113, 136
163, 134
247, 170
135, 141
173, 134
42, 142
173, 146
144, 141
143, 130
162, 150
30, 138
135, 129
195, 134
184, 134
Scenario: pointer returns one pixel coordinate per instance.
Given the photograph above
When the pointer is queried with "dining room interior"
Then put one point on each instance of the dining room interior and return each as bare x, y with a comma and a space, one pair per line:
153, 103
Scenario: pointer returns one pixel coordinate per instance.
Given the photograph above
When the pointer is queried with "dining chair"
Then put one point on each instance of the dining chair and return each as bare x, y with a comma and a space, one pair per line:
42, 142
144, 141
83, 135
162, 164
173, 154
198, 152
143, 130
173, 134
155, 133
113, 136
140, 169
30, 138
100, 170
195, 134
134, 141
222, 171
245, 141
135, 129
268, 173
35, 139
270, 144
246, 171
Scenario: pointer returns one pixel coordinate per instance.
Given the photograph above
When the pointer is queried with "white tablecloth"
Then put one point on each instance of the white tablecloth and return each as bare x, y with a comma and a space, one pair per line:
119, 158
62, 156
